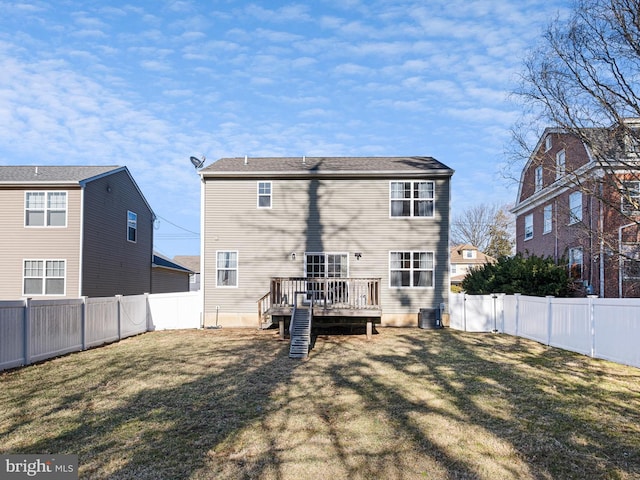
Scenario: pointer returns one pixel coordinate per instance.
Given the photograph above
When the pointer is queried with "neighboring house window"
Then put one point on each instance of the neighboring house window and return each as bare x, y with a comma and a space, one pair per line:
227, 269
528, 227
412, 199
469, 253
631, 260
548, 219
44, 277
411, 269
264, 194
575, 207
560, 164
132, 226
575, 263
547, 143
538, 178
630, 197
453, 269
45, 209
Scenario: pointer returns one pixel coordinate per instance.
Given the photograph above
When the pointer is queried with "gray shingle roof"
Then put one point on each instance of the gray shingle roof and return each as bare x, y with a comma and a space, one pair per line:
325, 166
51, 174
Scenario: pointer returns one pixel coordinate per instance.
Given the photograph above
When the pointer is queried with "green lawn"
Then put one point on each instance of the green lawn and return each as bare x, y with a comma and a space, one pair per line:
230, 404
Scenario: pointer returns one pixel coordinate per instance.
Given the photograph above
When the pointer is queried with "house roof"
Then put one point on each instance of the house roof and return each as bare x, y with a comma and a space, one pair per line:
58, 176
36, 174
326, 166
161, 261
457, 256
192, 262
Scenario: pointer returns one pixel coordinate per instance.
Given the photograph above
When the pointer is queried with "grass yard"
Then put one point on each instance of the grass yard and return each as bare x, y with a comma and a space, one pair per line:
410, 404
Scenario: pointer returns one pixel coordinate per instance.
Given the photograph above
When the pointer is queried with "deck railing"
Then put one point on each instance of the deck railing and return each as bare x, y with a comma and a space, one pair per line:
337, 292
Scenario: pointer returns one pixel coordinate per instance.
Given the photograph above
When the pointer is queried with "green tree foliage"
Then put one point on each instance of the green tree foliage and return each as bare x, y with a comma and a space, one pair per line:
532, 275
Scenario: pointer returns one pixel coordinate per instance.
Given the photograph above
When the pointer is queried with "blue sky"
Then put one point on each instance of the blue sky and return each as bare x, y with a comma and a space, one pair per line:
147, 84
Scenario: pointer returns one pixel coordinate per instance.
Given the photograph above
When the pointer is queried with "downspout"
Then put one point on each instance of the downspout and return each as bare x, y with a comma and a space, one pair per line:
620, 258
601, 226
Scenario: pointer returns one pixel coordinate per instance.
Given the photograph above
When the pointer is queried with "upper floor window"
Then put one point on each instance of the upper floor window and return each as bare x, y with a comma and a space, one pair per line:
560, 164
412, 199
538, 173
547, 143
528, 227
44, 277
575, 207
264, 194
548, 219
411, 269
469, 253
630, 195
227, 269
132, 227
45, 209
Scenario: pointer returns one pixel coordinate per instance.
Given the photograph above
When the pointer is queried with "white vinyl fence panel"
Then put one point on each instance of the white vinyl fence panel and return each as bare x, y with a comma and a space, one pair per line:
34, 330
168, 311
12, 334
602, 328
101, 321
54, 328
617, 322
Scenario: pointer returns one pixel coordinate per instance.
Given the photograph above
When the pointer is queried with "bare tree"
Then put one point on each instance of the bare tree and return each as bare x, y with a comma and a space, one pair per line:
487, 227
584, 79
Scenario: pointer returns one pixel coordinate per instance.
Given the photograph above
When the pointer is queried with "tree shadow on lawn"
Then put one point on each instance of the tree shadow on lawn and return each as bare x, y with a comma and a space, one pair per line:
547, 406
130, 423
409, 404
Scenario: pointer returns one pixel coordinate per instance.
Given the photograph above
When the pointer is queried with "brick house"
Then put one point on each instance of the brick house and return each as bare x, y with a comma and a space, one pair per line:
576, 203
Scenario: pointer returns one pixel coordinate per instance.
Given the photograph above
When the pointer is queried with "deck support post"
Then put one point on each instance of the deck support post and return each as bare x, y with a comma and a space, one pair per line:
281, 328
369, 330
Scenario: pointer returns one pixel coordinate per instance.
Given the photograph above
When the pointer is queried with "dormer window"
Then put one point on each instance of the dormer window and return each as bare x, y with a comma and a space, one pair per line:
469, 254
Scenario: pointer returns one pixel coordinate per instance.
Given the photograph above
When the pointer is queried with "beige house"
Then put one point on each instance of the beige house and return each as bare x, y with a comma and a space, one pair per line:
70, 231
359, 239
465, 258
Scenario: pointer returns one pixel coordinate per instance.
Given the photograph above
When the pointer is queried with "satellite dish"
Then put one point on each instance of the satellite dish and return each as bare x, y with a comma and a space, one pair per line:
196, 162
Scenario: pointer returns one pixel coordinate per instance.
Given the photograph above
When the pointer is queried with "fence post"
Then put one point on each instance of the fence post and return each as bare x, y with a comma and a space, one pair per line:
592, 323
549, 318
119, 316
147, 312
517, 319
83, 323
464, 310
27, 331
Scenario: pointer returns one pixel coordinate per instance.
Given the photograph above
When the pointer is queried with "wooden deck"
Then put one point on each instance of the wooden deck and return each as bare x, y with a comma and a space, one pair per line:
346, 298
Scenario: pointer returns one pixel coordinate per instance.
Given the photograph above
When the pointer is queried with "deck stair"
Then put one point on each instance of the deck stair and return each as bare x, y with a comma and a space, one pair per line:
300, 333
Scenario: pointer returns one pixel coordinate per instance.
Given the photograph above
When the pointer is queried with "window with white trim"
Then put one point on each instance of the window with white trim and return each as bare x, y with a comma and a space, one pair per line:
548, 218
264, 194
44, 277
630, 197
561, 160
45, 209
547, 143
528, 227
132, 227
630, 253
411, 269
538, 180
412, 199
575, 207
227, 269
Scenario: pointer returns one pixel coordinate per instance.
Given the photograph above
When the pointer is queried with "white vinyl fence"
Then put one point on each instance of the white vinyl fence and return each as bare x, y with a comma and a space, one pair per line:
34, 330
607, 328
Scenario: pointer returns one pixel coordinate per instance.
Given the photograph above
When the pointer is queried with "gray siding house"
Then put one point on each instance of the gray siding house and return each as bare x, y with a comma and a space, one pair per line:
359, 238
70, 231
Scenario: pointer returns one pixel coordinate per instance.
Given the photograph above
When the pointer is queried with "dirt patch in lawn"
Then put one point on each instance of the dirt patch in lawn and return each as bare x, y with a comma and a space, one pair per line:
410, 403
